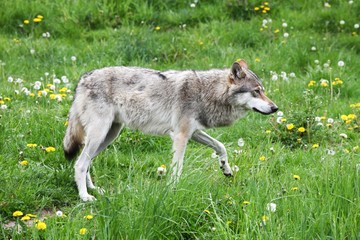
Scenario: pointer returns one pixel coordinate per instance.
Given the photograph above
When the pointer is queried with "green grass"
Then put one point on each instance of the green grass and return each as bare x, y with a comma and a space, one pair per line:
322, 204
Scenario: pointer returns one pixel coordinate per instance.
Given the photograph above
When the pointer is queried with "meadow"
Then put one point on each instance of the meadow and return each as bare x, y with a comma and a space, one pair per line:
297, 172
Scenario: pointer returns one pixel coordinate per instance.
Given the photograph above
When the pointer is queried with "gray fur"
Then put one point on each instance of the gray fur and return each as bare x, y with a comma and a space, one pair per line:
178, 103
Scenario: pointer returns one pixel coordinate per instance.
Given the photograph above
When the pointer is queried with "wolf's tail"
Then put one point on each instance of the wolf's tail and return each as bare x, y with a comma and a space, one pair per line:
74, 137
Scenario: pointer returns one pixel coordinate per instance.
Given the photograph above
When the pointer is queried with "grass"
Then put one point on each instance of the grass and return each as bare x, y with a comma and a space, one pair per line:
322, 204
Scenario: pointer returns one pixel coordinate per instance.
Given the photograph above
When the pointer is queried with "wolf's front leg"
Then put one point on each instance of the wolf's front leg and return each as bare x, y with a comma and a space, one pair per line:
180, 141
220, 149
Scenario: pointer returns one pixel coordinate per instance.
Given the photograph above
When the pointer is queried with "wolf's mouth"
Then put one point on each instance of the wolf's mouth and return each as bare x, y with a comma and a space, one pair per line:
264, 113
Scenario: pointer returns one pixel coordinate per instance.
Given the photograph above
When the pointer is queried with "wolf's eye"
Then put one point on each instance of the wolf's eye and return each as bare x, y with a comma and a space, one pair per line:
257, 91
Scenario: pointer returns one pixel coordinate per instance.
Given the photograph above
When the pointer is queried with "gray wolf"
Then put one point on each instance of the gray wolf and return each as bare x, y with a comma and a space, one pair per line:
177, 103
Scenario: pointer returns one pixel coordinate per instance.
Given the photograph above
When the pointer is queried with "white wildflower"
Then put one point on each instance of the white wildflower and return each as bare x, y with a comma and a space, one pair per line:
32, 51
279, 120
292, 75
271, 207
313, 48
330, 152
330, 120
161, 171
280, 114
241, 142
356, 25
59, 213
73, 58
342, 22
64, 79
284, 24
343, 135
3, 106
274, 77
286, 35
10, 79
192, 5
235, 168
57, 81
341, 63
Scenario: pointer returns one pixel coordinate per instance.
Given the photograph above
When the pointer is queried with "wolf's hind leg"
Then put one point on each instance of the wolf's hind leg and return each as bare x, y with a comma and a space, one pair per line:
112, 134
203, 138
94, 138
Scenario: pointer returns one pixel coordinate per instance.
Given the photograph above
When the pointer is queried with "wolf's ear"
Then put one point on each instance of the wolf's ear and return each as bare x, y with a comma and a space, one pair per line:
237, 69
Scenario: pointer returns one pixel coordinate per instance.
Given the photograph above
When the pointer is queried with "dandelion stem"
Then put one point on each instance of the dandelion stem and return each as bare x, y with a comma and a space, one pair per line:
331, 86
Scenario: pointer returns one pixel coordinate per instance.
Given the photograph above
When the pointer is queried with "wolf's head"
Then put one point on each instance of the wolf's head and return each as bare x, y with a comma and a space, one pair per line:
247, 91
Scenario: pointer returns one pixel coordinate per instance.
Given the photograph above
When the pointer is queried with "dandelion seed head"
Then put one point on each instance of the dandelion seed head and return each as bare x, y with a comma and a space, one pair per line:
341, 63
241, 142
271, 207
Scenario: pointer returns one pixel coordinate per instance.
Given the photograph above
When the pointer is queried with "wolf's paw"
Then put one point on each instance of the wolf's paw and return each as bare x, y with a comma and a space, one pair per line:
228, 174
87, 198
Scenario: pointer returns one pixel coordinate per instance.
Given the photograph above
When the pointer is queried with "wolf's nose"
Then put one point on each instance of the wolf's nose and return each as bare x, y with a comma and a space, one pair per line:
274, 108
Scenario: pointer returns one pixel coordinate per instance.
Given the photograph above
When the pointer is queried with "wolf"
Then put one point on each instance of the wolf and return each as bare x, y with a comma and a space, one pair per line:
181, 104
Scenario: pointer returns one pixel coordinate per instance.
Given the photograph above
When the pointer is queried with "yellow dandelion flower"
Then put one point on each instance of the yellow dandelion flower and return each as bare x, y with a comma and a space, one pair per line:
283, 119
50, 149
299, 140
268, 131
344, 117
294, 188
296, 177
266, 3
62, 90
26, 21
315, 145
263, 11
311, 83
324, 84
25, 218
31, 145
157, 28
301, 129
246, 202
346, 151
17, 214
40, 225
228, 222
40, 17
355, 148
24, 163
256, 8
32, 95
37, 20
83, 231
329, 125
266, 8
351, 116
31, 215
89, 217
7, 99
257, 59
262, 158
201, 43
290, 126
207, 211
265, 218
